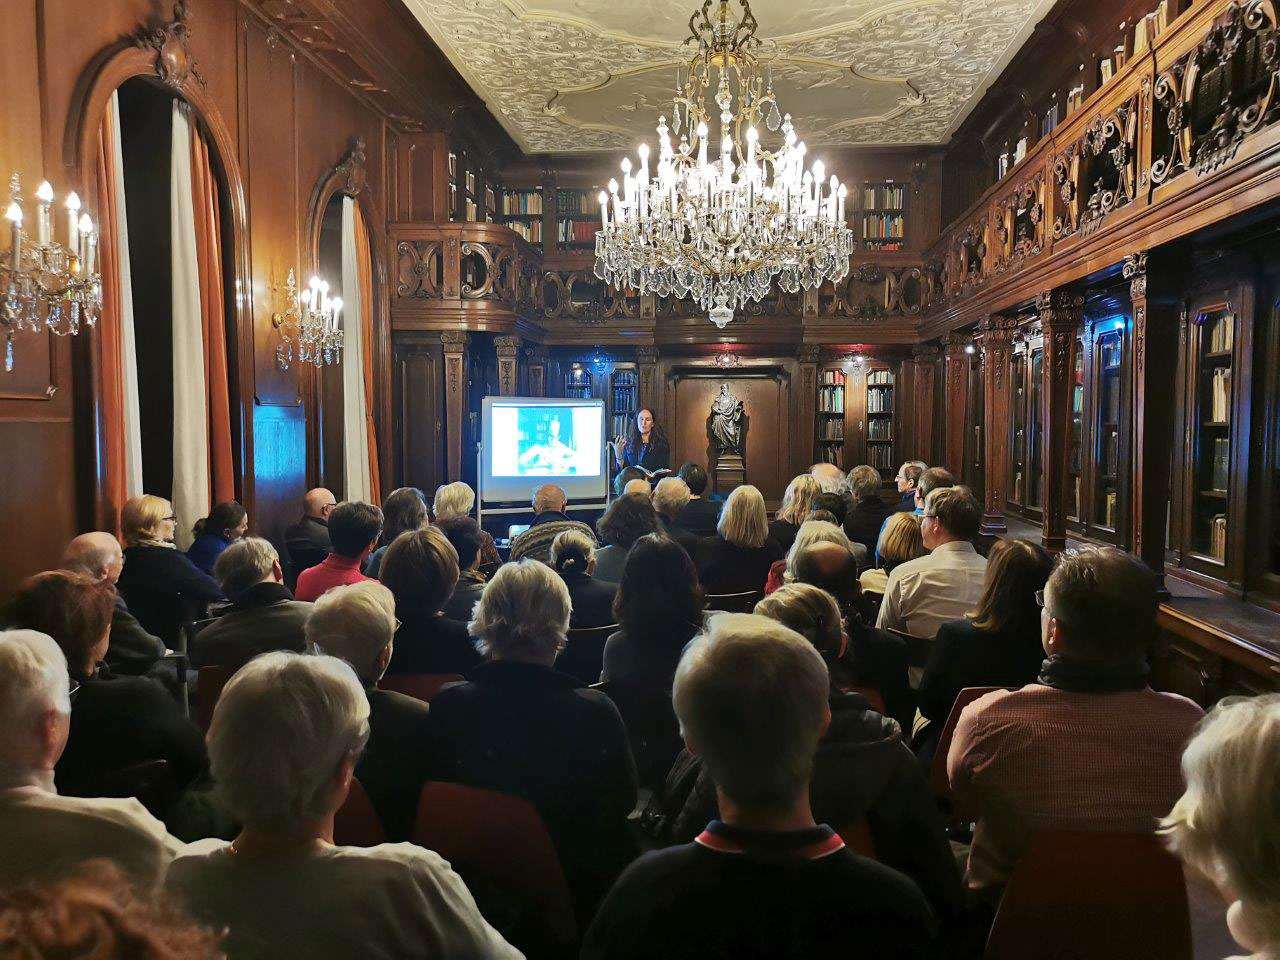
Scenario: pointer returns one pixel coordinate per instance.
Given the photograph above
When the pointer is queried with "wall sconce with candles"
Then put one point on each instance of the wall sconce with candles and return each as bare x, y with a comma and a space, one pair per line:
308, 325
47, 285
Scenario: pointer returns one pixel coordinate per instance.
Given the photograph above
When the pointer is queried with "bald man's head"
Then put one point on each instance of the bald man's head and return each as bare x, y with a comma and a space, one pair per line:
96, 555
549, 497
318, 503
830, 477
832, 567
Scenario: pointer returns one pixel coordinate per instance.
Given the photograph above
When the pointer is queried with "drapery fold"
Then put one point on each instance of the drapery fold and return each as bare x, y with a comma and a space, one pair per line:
368, 310
357, 424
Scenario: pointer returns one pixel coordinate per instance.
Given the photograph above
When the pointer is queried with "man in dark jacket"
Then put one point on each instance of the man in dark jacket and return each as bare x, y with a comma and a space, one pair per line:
670, 497
307, 541
863, 521
263, 615
463, 534
908, 479
131, 650
700, 515
356, 623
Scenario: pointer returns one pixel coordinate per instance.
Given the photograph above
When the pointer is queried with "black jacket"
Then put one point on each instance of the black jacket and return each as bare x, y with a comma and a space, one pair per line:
906, 502
432, 644
592, 601
310, 530
163, 588
784, 532
525, 729
699, 516
460, 606
266, 617
130, 649
965, 656
686, 538
394, 765
652, 456
863, 522
726, 568
862, 771
120, 721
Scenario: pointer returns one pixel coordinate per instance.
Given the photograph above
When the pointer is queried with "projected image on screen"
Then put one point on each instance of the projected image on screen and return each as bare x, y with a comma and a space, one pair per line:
546, 441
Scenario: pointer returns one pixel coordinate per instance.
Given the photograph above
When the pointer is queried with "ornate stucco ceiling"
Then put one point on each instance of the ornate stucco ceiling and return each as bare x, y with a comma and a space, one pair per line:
573, 75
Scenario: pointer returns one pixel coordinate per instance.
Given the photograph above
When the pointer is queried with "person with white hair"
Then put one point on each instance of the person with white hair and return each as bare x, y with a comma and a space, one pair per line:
811, 531
456, 500
44, 836
831, 479
753, 700
519, 726
670, 497
357, 623
131, 649
285, 741
549, 519
1226, 825
738, 558
263, 615
573, 556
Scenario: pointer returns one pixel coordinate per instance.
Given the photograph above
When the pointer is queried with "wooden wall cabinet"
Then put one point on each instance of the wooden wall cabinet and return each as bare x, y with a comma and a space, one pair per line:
1026, 372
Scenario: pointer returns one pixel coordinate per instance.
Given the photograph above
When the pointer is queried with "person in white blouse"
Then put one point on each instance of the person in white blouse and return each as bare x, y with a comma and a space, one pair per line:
924, 593
44, 836
283, 746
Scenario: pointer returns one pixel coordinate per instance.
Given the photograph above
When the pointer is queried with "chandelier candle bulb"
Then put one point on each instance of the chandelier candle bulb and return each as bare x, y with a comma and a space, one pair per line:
14, 216
86, 230
336, 304
91, 260
73, 222
44, 218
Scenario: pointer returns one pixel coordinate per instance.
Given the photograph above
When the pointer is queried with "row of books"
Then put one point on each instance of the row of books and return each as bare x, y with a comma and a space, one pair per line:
619, 423
1111, 454
576, 231
1220, 396
1007, 161
883, 226
1221, 463
529, 201
879, 429
1218, 537
884, 196
880, 456
1149, 27
469, 210
831, 429
1109, 510
880, 378
829, 454
831, 400
879, 400
531, 231
831, 378
574, 201
1222, 335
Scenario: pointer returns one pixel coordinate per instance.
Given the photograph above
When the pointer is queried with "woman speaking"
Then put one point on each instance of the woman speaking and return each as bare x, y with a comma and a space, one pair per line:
644, 446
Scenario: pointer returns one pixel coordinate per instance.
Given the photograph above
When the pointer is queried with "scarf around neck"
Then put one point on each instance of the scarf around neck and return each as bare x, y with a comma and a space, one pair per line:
1075, 676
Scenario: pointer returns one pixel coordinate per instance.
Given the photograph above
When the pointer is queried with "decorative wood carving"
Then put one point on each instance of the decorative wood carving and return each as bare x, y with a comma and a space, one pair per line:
1019, 227
171, 42
1066, 180
507, 349
1109, 171
955, 399
352, 169
996, 337
420, 269
454, 343
1060, 314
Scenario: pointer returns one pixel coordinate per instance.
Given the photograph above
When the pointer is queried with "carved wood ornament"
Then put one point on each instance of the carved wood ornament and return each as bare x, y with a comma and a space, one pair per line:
175, 66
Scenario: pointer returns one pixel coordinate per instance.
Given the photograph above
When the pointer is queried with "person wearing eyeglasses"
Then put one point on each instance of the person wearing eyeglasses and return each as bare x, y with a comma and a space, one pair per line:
159, 582
907, 478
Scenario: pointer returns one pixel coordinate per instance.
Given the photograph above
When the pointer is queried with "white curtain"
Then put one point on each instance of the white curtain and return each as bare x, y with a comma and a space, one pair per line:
190, 416
355, 437
128, 354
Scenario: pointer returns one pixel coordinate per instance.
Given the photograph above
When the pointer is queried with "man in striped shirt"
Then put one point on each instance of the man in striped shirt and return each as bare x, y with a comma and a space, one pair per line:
550, 519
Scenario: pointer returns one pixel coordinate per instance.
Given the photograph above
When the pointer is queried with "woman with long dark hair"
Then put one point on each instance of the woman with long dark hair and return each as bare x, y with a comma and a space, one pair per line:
226, 523
645, 444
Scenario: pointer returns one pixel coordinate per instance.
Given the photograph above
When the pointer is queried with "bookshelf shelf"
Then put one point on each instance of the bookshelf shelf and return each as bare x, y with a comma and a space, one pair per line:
879, 407
1214, 437
883, 215
832, 410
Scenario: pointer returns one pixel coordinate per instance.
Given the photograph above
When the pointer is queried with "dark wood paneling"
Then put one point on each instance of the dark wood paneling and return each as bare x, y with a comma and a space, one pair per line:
417, 389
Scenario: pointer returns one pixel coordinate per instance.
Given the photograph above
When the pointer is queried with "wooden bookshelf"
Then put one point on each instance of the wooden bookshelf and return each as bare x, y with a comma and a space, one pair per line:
577, 219
523, 211
884, 215
832, 410
881, 404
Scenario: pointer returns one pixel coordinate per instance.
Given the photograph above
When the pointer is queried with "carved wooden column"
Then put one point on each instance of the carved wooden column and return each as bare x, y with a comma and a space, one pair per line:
924, 356
1060, 312
646, 379
455, 390
508, 350
806, 406
955, 399
536, 360
1156, 308
996, 332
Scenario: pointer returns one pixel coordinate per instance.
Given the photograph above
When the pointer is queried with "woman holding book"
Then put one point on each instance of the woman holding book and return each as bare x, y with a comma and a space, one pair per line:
645, 445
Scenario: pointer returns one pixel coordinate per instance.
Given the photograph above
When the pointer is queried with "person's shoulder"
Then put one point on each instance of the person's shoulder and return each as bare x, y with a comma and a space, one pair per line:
879, 889
1176, 705
401, 704
124, 813
956, 631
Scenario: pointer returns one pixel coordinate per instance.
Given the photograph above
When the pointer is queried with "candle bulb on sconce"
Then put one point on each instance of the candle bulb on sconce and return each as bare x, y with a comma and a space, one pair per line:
308, 325
14, 216
73, 223
44, 193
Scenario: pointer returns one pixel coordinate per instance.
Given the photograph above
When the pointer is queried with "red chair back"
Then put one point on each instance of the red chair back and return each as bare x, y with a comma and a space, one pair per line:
938, 782
499, 845
1104, 896
421, 686
209, 684
874, 699
356, 823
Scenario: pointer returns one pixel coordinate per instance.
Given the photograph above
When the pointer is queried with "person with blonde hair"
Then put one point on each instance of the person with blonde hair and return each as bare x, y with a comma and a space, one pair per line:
286, 737
811, 531
520, 727
456, 500
900, 541
737, 559
1226, 824
754, 703
796, 504
160, 584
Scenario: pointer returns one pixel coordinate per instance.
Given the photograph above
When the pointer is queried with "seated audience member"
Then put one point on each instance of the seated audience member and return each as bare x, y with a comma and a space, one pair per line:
997, 645
625, 476
874, 658
833, 504
421, 570
763, 880
670, 497
831, 479
1089, 747
286, 737
659, 609
900, 541
96, 913
907, 479
738, 557
226, 523
796, 503
313, 529
263, 614
573, 556
699, 515
867, 515
626, 520
404, 509
520, 727
638, 487
811, 531
356, 623
1224, 824
160, 585
823, 516
43, 836
935, 478
130, 649
862, 770
116, 722
457, 500
549, 519
921, 595
463, 534
354, 529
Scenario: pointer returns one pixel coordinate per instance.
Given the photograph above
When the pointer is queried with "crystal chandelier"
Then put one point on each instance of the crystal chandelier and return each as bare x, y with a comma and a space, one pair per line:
47, 285
719, 231
308, 325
